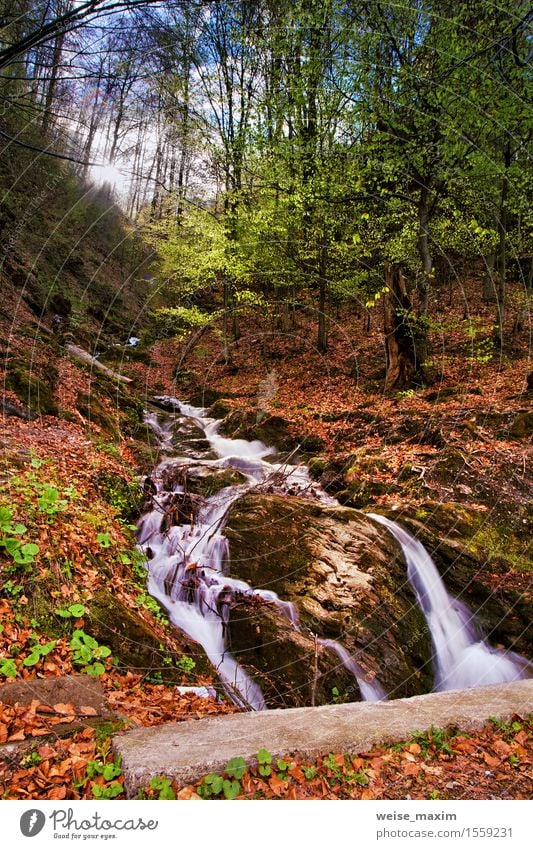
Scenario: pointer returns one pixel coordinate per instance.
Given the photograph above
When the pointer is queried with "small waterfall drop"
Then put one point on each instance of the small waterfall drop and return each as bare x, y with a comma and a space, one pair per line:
186, 560
462, 659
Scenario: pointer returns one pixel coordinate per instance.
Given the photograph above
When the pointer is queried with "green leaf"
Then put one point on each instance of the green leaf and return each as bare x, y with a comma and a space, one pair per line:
231, 788
236, 767
95, 669
264, 756
8, 668
32, 659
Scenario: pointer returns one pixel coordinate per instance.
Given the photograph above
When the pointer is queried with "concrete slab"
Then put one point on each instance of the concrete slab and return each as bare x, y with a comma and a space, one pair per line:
187, 751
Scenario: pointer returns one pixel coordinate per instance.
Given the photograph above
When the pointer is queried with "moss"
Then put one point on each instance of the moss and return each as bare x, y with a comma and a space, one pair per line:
124, 495
522, 426
37, 394
133, 641
91, 408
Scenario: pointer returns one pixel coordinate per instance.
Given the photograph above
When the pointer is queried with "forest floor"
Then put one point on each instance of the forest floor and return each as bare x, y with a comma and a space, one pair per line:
69, 477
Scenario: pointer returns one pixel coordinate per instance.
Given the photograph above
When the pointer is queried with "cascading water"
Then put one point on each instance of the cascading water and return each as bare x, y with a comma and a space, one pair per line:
186, 560
461, 658
186, 567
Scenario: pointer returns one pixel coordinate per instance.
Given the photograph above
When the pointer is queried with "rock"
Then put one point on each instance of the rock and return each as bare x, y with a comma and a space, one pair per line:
267, 644
187, 751
347, 579
77, 690
522, 426
21, 412
203, 480
272, 430
132, 641
81, 691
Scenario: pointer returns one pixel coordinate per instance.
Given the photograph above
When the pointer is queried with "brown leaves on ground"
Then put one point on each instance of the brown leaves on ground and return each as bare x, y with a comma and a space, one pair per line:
494, 763
152, 704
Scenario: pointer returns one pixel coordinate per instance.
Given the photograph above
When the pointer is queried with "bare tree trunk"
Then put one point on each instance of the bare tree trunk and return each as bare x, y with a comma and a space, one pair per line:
489, 283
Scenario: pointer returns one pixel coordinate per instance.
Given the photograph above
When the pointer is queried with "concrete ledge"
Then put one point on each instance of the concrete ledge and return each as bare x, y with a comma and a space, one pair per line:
187, 751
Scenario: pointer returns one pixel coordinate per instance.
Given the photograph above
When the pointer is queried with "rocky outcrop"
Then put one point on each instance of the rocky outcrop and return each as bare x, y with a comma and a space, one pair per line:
346, 578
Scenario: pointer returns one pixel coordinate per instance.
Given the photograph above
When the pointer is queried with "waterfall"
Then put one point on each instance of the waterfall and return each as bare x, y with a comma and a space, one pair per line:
186, 561
186, 567
462, 659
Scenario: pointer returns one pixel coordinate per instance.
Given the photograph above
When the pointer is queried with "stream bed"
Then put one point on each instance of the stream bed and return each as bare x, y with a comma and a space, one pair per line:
190, 571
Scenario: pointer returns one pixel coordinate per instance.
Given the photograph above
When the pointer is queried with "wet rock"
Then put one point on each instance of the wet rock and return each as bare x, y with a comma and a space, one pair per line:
132, 641
290, 667
346, 578
479, 561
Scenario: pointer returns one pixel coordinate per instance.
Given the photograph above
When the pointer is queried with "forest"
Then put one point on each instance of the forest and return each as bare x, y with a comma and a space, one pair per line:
265, 345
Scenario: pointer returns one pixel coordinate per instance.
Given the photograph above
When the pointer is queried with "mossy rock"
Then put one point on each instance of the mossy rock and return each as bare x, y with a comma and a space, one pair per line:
132, 641
124, 495
522, 426
344, 575
34, 392
249, 424
283, 660
93, 410
483, 564
220, 409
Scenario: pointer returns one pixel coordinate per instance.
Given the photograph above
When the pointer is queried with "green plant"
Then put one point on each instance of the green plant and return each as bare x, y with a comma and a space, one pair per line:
32, 758
22, 553
104, 540
86, 652
107, 791
8, 667
163, 787
12, 589
214, 785
49, 501
186, 664
37, 651
309, 772
264, 759
73, 611
433, 742
108, 771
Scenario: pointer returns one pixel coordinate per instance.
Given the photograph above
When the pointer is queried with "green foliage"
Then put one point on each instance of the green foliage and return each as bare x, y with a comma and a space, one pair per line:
186, 664
39, 651
108, 771
264, 759
163, 787
177, 321
8, 667
213, 785
87, 653
73, 611
433, 742
49, 500
104, 539
21, 552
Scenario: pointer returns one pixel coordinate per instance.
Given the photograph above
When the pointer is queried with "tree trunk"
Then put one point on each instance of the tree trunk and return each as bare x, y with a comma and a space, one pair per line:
502, 250
423, 247
400, 344
489, 284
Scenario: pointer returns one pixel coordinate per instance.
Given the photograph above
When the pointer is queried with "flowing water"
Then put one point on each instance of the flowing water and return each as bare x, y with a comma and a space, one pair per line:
186, 562
461, 658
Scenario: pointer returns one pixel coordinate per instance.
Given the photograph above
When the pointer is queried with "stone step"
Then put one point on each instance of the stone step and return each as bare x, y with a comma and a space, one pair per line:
186, 751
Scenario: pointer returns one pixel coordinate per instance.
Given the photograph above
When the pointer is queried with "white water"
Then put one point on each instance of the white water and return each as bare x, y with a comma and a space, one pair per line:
186, 565
462, 659
187, 562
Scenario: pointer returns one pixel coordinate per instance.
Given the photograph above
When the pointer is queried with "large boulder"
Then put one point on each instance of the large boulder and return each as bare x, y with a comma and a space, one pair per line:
347, 579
